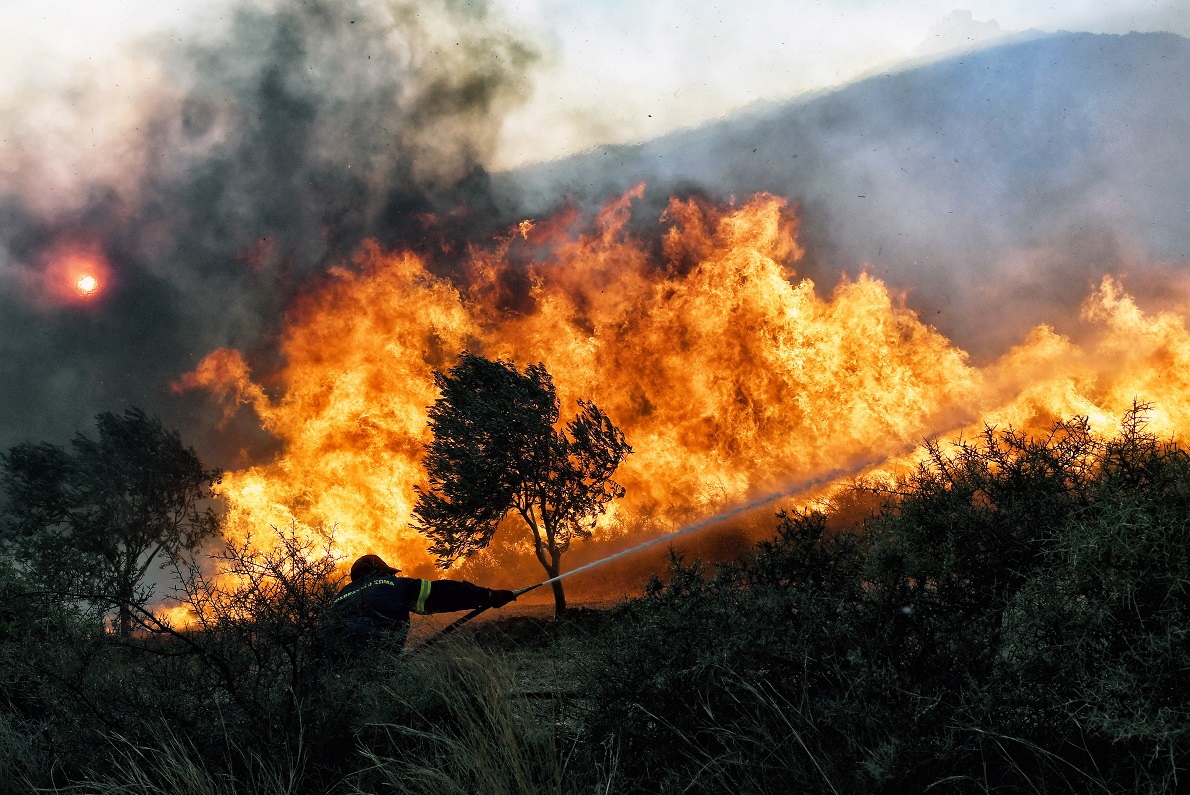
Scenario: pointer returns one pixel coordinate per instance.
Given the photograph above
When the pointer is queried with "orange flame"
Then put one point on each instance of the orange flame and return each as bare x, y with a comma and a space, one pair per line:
730, 376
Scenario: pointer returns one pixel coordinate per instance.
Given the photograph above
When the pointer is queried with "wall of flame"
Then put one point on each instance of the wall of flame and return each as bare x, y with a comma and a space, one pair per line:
730, 375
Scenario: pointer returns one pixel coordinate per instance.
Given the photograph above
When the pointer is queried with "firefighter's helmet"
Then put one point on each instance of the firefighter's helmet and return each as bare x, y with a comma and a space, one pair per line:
370, 566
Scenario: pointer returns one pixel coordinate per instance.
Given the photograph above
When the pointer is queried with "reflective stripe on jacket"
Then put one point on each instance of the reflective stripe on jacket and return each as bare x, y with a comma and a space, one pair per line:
382, 604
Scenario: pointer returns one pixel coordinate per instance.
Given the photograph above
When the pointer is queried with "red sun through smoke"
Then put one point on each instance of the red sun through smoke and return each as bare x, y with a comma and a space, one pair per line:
76, 274
87, 284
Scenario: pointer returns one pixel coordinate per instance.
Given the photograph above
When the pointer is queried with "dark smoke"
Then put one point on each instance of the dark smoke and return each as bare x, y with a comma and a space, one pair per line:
269, 155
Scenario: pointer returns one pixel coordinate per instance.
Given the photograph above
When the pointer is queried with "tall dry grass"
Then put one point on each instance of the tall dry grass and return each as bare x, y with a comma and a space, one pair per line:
172, 765
454, 720
484, 735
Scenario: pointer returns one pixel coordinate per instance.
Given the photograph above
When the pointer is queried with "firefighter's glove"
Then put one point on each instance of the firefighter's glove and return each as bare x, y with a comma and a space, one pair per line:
501, 598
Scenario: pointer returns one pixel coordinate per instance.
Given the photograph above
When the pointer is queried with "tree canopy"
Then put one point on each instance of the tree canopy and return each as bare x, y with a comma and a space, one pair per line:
92, 519
496, 450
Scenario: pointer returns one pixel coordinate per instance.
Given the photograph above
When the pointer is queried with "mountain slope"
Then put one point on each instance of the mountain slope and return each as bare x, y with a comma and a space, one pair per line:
996, 187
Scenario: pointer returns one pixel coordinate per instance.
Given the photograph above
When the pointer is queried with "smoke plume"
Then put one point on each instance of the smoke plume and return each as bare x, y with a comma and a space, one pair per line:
995, 188
236, 169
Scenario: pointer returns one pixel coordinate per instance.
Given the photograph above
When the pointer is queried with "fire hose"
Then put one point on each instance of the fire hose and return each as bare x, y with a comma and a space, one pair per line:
798, 488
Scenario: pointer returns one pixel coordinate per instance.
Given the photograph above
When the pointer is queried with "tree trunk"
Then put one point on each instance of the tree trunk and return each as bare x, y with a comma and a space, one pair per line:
552, 564
559, 598
126, 585
559, 594
125, 620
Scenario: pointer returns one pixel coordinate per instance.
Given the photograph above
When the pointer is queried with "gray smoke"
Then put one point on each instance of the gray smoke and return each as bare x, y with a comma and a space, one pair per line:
995, 188
271, 151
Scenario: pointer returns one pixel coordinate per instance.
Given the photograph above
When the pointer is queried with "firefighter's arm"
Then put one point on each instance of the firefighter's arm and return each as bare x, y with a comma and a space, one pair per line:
445, 596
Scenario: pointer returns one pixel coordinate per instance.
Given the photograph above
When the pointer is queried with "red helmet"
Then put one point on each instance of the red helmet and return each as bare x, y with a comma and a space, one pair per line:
370, 566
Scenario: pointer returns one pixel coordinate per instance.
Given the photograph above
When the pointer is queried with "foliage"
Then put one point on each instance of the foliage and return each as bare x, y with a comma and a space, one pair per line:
252, 641
240, 676
1014, 617
47, 650
92, 520
729, 681
22, 622
495, 450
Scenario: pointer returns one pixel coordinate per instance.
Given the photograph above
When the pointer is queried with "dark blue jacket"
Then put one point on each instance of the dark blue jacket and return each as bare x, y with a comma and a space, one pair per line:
380, 606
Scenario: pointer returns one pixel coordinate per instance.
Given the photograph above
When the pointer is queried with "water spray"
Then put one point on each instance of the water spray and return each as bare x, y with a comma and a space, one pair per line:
789, 491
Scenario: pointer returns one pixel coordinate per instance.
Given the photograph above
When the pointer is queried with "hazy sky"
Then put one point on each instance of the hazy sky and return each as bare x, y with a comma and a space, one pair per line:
613, 71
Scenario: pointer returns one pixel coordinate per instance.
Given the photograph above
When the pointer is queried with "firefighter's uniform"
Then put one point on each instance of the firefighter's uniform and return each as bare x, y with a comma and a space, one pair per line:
377, 603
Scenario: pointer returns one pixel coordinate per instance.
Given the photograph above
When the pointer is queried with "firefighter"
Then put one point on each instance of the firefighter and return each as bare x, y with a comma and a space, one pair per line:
376, 604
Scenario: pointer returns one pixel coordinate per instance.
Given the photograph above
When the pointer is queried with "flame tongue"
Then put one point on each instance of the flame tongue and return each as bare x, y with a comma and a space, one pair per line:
728, 375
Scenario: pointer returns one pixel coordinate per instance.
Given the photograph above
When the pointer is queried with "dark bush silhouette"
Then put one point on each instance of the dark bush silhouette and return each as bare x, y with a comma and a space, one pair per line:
1013, 617
91, 521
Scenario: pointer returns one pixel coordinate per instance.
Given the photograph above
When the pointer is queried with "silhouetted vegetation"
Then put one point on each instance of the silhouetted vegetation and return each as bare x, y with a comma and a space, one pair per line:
94, 519
1015, 617
496, 451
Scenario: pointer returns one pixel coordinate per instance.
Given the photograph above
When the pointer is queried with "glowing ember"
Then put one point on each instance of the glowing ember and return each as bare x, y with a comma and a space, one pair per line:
730, 376
87, 284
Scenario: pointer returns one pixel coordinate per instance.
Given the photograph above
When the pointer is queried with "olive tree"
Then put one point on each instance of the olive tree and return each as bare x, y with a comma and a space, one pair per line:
91, 520
496, 451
